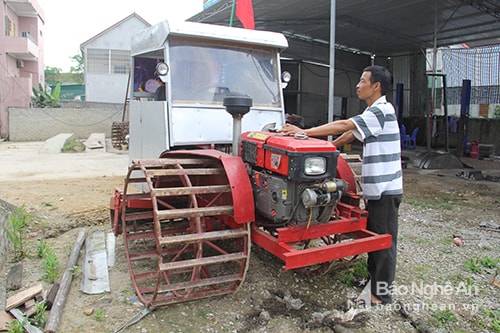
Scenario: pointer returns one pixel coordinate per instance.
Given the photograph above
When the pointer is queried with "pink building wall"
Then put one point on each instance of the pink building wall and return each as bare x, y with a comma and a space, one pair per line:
21, 55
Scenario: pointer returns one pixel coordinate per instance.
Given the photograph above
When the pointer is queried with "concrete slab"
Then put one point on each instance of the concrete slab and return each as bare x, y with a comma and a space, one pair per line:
95, 142
55, 143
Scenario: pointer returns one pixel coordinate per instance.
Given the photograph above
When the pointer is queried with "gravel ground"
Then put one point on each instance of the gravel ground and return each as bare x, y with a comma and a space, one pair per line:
449, 288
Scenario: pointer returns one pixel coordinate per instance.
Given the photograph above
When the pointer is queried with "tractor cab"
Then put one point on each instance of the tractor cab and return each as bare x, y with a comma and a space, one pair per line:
181, 74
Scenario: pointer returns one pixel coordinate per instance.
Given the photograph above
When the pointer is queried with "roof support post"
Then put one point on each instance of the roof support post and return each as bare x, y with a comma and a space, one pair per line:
331, 76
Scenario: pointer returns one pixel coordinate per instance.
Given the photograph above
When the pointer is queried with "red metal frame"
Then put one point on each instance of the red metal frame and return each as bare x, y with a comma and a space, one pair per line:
351, 222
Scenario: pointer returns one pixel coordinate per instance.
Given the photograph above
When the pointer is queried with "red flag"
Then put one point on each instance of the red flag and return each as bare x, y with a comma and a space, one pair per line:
244, 11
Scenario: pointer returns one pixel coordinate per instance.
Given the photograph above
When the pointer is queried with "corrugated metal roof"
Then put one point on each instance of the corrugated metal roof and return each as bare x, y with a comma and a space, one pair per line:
382, 27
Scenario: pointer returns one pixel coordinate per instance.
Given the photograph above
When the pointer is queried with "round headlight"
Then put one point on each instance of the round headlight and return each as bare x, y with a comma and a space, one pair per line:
161, 68
314, 166
286, 77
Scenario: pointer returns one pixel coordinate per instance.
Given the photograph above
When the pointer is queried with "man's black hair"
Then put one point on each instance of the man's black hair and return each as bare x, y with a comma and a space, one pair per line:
382, 75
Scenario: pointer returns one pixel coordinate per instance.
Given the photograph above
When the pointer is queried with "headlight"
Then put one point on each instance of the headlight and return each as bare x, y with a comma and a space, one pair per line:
315, 166
161, 69
286, 77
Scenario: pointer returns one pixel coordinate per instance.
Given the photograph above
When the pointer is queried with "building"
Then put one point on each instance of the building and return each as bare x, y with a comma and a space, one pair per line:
107, 60
21, 55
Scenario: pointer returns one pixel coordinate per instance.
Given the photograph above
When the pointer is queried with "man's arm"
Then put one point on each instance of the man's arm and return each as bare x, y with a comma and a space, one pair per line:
345, 138
332, 128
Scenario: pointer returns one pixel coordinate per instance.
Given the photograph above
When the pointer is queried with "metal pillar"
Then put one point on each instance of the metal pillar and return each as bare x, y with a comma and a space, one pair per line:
400, 102
331, 76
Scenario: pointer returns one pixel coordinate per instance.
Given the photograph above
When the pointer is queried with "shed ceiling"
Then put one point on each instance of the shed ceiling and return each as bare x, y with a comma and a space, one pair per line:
382, 27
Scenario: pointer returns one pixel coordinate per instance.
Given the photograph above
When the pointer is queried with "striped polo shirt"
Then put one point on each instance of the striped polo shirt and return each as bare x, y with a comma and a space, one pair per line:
377, 127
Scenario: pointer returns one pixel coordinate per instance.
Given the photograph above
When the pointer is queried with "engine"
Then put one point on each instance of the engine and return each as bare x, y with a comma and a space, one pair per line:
293, 178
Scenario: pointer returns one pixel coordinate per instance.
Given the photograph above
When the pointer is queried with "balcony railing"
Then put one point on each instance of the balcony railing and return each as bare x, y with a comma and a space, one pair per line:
26, 34
24, 48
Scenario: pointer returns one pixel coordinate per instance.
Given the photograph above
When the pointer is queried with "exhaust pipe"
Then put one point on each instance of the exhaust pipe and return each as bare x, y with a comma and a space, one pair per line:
237, 105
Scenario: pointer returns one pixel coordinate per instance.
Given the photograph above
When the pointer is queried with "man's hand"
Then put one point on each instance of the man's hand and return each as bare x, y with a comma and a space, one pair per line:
290, 129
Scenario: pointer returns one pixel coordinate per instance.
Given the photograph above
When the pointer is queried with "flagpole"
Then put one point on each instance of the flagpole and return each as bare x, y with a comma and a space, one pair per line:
232, 13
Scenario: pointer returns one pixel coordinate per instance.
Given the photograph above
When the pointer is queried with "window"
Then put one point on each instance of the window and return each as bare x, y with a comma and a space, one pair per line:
10, 28
120, 61
102, 61
207, 72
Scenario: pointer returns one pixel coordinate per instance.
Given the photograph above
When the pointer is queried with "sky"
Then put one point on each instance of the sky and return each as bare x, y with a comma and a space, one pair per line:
69, 23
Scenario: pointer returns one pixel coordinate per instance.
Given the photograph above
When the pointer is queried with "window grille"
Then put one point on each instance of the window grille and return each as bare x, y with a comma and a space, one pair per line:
103, 61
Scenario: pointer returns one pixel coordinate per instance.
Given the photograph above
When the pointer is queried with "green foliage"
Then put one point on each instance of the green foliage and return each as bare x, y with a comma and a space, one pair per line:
51, 266
18, 224
490, 263
73, 146
42, 248
360, 270
444, 318
39, 318
494, 316
99, 315
475, 265
44, 99
78, 69
52, 75
15, 326
355, 275
75, 270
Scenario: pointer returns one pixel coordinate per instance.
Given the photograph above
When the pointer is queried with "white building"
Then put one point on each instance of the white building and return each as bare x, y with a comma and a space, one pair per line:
107, 60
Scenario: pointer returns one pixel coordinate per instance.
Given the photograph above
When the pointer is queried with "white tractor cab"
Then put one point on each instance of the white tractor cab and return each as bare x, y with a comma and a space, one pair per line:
199, 64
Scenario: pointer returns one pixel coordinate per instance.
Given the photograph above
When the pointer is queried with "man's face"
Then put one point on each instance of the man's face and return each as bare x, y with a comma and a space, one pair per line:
365, 89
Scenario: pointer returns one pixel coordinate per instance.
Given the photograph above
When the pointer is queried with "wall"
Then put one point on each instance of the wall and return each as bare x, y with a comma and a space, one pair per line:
32, 124
110, 87
5, 210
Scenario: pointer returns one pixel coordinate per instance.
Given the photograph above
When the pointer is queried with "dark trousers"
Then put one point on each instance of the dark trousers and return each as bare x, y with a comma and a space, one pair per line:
383, 219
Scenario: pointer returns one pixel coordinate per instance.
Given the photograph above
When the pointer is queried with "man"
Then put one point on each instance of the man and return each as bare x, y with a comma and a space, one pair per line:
160, 94
381, 175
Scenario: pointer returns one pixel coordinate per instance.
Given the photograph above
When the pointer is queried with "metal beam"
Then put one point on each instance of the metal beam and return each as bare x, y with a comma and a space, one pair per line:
485, 6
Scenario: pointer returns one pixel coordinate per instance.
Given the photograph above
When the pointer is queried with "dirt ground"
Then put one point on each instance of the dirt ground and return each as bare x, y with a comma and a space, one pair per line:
67, 192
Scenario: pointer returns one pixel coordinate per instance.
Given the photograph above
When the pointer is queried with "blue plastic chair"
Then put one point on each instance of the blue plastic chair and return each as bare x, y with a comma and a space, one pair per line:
403, 136
410, 142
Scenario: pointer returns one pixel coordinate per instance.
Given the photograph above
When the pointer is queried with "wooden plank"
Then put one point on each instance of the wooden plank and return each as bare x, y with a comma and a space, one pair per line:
29, 308
23, 296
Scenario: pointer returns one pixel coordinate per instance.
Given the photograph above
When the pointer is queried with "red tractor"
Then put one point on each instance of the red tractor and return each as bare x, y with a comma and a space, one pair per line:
197, 196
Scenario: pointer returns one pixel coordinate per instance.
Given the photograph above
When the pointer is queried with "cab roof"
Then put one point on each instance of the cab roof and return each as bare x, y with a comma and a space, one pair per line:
155, 37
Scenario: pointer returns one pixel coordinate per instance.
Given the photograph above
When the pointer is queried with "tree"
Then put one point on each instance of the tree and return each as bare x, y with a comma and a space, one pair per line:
46, 99
52, 75
77, 71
